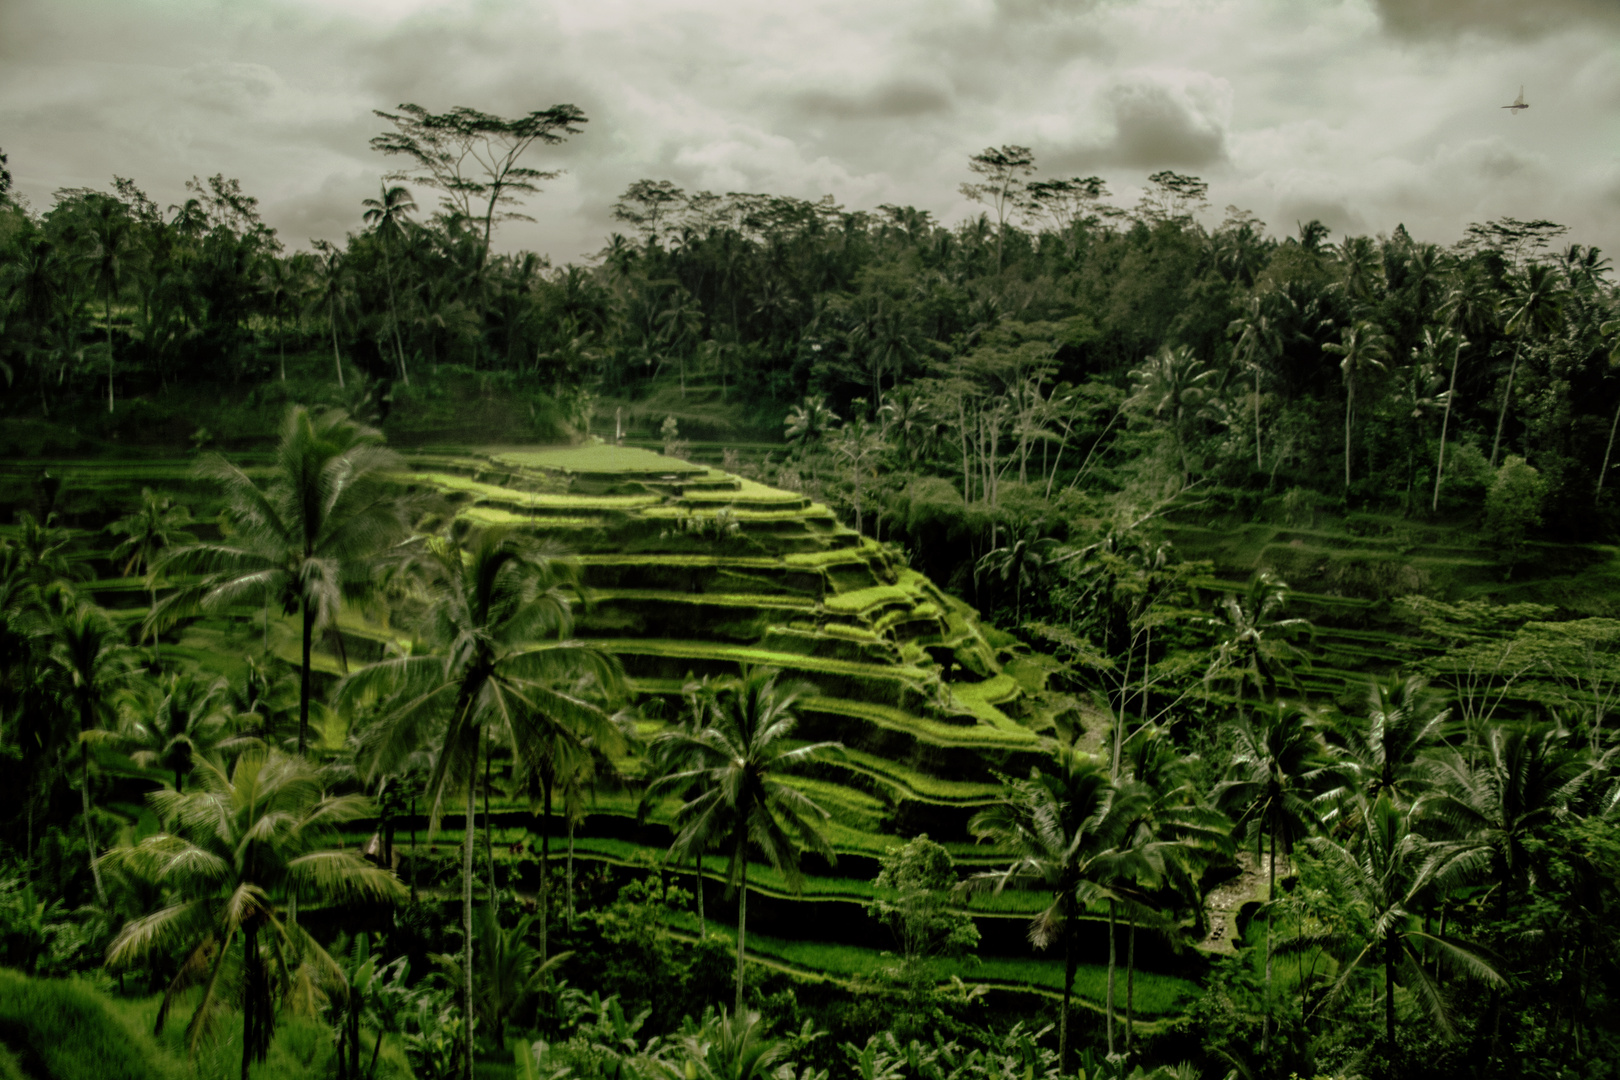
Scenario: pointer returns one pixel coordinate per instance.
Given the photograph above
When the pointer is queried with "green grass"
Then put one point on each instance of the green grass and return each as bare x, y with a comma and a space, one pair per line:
68, 1029
598, 459
1156, 995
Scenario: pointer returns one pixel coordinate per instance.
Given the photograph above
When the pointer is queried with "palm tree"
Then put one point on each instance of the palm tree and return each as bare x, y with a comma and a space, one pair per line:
1536, 306
305, 542
1384, 752
1379, 880
740, 801
808, 423
172, 723
110, 252
282, 282
1069, 828
1279, 768
333, 293
1434, 346
388, 216
1610, 330
497, 616
91, 655
1470, 307
157, 525
234, 849
511, 973
1258, 340
1254, 636
1178, 387
1361, 348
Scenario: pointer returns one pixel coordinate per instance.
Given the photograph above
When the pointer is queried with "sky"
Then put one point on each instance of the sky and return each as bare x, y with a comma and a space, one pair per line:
1364, 114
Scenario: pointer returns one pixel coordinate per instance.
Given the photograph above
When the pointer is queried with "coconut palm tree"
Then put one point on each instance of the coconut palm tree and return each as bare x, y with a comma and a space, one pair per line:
234, 849
1254, 636
1433, 348
739, 801
173, 722
1259, 339
282, 283
89, 652
389, 216
808, 423
1383, 753
1069, 827
1535, 307
1362, 348
307, 541
157, 525
498, 622
510, 973
1275, 787
110, 253
334, 293
1178, 388
1380, 878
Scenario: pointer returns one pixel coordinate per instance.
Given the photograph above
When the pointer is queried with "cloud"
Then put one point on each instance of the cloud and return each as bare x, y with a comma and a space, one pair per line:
895, 98
1158, 121
1510, 19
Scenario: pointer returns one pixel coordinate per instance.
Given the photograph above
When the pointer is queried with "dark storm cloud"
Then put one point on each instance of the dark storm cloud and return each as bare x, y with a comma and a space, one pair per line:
904, 97
1156, 124
1512, 19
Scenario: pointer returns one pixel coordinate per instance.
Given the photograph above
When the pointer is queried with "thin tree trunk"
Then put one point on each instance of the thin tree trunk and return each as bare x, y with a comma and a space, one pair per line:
467, 918
1259, 462
107, 296
1507, 396
568, 906
1445, 424
489, 841
1349, 407
1271, 898
1130, 985
337, 361
281, 347
1068, 992
742, 932
413, 847
545, 874
89, 832
250, 1017
304, 679
1389, 993
703, 926
1608, 452
371, 1070
1108, 1006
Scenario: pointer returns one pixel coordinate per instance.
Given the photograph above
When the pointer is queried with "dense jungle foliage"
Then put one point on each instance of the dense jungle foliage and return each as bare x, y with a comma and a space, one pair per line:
1114, 432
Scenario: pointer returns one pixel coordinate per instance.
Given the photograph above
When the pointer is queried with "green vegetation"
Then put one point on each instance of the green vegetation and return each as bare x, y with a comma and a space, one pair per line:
994, 658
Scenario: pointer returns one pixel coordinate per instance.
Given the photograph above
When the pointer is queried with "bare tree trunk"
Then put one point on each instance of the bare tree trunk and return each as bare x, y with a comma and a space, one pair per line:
1130, 986
1608, 452
568, 906
337, 361
1108, 1006
742, 932
89, 832
489, 838
467, 918
1068, 992
1507, 396
107, 296
1445, 424
545, 874
304, 679
703, 926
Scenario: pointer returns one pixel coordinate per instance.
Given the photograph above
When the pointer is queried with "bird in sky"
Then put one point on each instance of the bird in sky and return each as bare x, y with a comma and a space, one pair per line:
1518, 103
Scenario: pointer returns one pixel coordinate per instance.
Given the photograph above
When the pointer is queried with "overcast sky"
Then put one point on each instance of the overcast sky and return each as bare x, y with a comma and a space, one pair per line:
1363, 113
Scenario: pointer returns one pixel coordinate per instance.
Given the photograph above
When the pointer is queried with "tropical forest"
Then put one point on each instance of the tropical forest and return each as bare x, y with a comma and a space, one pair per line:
1106, 636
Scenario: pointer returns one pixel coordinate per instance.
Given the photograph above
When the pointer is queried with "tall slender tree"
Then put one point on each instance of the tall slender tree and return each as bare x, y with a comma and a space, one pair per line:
307, 540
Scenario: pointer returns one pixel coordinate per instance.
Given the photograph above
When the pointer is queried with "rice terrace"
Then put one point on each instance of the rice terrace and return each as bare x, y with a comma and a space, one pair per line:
574, 618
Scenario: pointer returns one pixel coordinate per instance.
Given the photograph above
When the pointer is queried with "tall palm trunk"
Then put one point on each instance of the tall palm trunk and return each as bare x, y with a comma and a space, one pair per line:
545, 873
1389, 992
1445, 424
1068, 991
568, 903
742, 932
107, 298
304, 679
250, 1018
1259, 462
1130, 984
84, 792
489, 840
1507, 396
703, 926
393, 317
413, 847
1608, 453
1113, 947
331, 318
1271, 898
1349, 410
467, 917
